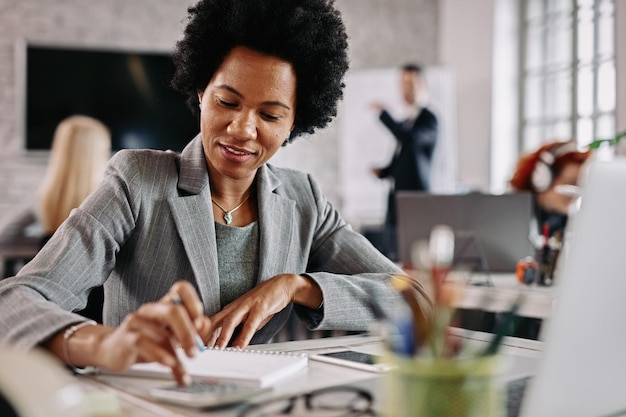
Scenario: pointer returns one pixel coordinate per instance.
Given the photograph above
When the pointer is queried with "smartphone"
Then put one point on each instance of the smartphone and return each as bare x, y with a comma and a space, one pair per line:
205, 394
353, 359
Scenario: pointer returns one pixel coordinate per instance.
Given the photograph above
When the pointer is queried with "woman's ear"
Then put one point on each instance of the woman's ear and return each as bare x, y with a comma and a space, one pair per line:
200, 94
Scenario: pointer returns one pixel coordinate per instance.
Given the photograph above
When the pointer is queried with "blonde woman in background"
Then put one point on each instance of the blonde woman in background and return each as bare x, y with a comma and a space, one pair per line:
80, 150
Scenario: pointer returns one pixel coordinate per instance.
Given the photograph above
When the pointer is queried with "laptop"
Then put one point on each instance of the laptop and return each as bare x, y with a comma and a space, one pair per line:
491, 231
582, 370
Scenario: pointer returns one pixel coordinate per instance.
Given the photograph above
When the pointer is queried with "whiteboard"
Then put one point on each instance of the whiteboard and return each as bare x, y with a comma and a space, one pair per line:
366, 143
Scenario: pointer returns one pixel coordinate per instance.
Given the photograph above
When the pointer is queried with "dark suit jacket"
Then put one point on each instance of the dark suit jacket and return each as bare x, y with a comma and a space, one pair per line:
411, 165
150, 223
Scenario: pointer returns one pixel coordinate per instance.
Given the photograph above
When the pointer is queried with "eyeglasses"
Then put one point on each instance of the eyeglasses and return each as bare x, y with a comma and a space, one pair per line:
327, 402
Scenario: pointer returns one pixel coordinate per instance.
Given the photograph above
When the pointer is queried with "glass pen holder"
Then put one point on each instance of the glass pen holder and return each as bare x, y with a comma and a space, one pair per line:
428, 387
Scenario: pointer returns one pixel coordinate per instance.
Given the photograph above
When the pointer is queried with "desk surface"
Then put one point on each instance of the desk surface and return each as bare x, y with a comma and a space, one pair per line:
496, 293
131, 391
538, 301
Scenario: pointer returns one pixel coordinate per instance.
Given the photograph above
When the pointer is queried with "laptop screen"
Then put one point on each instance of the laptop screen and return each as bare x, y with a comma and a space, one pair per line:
491, 231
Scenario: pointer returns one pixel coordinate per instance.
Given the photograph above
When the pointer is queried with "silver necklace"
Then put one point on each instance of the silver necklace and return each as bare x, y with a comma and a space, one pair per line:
228, 214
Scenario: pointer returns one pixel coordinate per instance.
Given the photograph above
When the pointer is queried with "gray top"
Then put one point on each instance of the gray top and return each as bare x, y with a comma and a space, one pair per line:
238, 259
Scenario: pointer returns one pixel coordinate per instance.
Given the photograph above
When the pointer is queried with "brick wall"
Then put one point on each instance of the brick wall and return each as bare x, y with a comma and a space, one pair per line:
382, 33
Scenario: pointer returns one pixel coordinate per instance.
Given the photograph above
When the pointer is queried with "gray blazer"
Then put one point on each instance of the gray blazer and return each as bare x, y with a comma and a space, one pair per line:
150, 223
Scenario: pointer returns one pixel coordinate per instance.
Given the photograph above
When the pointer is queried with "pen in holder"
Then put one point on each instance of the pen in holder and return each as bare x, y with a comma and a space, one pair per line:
443, 377
546, 254
554, 243
546, 257
427, 387
467, 385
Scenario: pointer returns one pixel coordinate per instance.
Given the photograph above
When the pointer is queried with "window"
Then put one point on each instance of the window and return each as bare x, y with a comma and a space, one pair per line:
568, 87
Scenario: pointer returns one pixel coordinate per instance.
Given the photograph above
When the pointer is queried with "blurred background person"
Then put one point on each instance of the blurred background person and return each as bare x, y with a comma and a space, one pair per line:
81, 148
416, 137
551, 174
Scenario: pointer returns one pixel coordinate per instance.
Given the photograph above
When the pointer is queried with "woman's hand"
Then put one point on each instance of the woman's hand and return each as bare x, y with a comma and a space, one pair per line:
256, 307
377, 106
152, 333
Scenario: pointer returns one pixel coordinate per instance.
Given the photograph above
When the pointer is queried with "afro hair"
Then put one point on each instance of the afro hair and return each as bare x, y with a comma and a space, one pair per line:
309, 34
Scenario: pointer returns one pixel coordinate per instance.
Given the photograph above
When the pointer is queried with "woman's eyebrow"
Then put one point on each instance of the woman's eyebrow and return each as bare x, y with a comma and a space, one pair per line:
238, 94
229, 88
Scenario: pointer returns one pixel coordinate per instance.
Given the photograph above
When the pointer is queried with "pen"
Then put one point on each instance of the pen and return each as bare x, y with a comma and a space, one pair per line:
420, 326
199, 343
441, 255
397, 333
505, 327
544, 254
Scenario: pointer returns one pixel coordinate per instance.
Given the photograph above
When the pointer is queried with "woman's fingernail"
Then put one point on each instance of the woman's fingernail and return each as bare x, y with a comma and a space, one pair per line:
186, 379
169, 361
200, 344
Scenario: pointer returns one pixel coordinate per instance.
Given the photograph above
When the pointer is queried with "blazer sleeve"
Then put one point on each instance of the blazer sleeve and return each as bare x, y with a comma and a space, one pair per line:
39, 301
399, 131
422, 134
349, 270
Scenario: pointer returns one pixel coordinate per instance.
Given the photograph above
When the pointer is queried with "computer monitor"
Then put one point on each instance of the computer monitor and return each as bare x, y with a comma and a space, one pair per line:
491, 231
128, 91
582, 370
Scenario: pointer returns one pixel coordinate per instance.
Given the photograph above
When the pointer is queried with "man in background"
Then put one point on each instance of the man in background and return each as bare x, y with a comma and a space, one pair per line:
416, 135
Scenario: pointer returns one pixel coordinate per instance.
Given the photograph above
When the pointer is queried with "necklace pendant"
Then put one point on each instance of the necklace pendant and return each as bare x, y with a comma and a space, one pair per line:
228, 218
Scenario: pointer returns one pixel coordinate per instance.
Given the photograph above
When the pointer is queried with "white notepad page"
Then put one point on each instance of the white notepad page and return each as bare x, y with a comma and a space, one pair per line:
245, 367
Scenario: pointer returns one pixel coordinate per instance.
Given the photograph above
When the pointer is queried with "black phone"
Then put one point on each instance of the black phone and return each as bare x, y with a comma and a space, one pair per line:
354, 359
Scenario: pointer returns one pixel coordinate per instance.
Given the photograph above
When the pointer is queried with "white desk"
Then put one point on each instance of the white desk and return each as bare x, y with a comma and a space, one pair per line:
496, 293
538, 301
130, 391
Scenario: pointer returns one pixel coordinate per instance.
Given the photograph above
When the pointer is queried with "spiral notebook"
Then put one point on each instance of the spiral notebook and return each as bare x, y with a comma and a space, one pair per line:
246, 367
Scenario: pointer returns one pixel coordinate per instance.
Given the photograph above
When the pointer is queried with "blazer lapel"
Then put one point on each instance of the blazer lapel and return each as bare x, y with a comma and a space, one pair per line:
276, 220
193, 214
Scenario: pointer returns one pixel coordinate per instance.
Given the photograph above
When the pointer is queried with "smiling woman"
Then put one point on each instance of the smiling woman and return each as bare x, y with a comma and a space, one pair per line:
247, 113
239, 242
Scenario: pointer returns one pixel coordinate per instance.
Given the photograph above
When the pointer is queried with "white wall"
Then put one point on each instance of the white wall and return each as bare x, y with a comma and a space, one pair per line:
620, 51
504, 114
466, 46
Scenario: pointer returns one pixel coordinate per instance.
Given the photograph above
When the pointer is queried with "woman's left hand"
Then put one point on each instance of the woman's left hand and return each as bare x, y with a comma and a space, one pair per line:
256, 307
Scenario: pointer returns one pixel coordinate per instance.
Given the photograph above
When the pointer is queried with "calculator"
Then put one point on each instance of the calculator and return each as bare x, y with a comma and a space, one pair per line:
205, 394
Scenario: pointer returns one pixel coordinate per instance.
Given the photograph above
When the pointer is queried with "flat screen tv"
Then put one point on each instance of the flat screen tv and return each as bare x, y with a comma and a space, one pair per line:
128, 91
